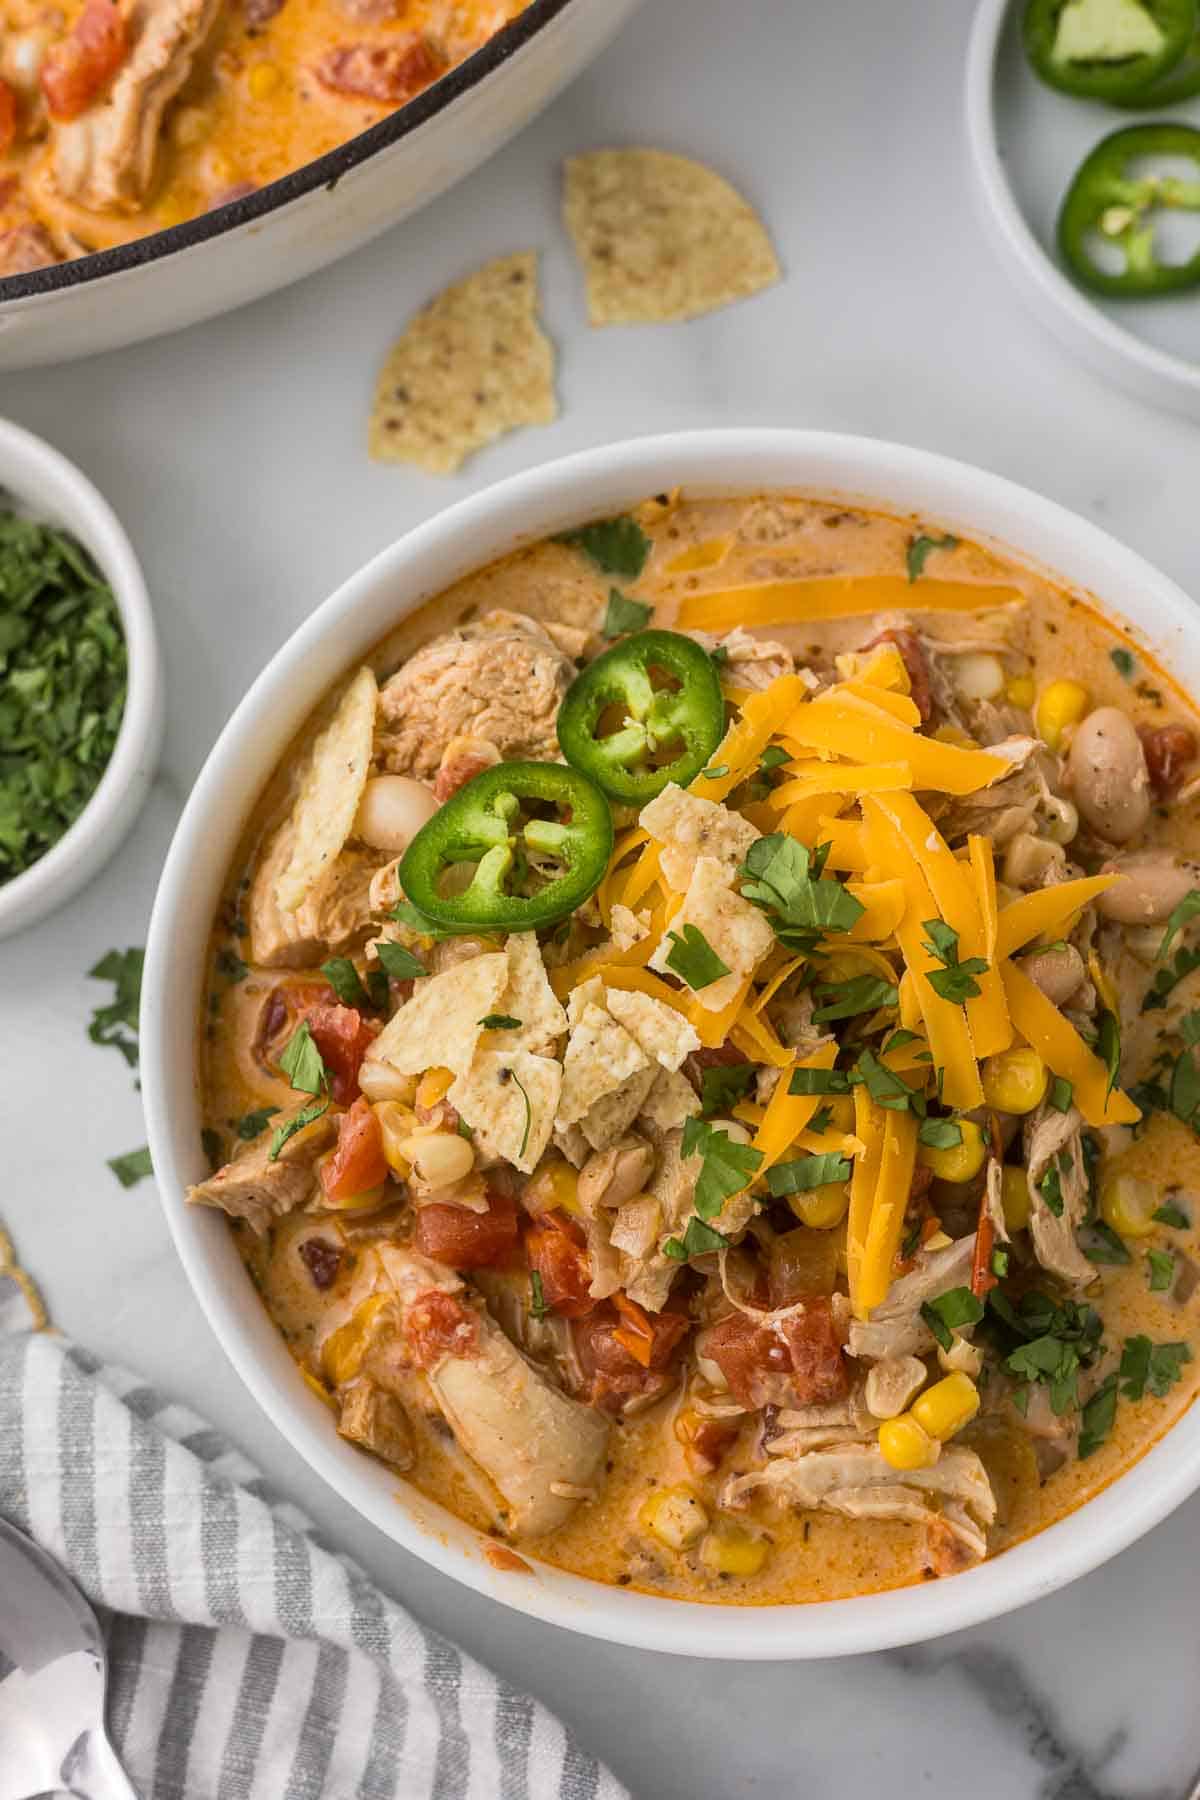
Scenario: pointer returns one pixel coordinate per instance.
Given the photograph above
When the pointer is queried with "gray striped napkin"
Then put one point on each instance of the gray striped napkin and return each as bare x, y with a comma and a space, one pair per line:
249, 1660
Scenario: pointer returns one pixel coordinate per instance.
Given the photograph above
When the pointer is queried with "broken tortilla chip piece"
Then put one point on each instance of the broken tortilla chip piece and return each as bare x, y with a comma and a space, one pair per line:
662, 1033
440, 1026
661, 238
509, 1098
473, 365
330, 790
528, 998
600, 1058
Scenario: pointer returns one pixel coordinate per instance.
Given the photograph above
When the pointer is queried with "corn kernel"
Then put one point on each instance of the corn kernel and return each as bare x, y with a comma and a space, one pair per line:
440, 1157
1015, 1081
264, 79
1127, 1203
433, 1087
675, 1517
1021, 691
905, 1444
962, 1161
1059, 707
1014, 1197
947, 1406
396, 1123
822, 1208
734, 1551
555, 1188
379, 1081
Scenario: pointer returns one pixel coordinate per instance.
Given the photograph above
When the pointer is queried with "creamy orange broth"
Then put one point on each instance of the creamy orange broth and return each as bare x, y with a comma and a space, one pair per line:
814, 1555
252, 109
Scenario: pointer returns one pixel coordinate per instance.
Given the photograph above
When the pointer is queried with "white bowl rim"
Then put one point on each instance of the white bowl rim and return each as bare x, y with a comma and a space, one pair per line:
552, 496
54, 481
1043, 282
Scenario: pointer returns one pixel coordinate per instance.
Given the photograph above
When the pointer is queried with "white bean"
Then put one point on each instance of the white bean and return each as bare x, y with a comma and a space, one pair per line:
1108, 774
392, 810
1152, 884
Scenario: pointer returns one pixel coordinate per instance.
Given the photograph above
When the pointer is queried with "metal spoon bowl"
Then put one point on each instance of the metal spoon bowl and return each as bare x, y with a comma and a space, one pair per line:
53, 1674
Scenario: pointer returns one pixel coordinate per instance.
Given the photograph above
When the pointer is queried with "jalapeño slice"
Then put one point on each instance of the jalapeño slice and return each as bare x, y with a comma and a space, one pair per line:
647, 712
1107, 49
518, 847
1112, 202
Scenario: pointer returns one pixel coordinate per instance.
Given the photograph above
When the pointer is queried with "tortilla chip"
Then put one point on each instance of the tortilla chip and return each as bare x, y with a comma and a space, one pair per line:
610, 1117
737, 931
688, 826
662, 1033
528, 997
671, 1101
661, 237
600, 1057
439, 1027
588, 993
509, 1098
574, 1146
330, 790
473, 365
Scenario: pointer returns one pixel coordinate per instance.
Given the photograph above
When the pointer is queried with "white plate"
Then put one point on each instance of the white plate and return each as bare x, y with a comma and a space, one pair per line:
1026, 143
467, 536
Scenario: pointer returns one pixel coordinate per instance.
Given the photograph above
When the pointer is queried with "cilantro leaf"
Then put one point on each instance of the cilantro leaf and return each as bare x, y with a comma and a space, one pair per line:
1156, 1367
1160, 1271
1186, 910
940, 1134
345, 981
1096, 1419
1167, 979
405, 913
1124, 662
131, 1168
955, 981
773, 757
302, 1062
784, 878
820, 1122
1101, 1244
116, 1025
616, 546
252, 1124
919, 549
957, 1307
808, 1172
1050, 1188
499, 1022
693, 958
819, 1081
1062, 1094
697, 1240
305, 1116
1184, 1097
884, 1085
537, 1297
624, 614
723, 1084
397, 963
860, 994
898, 1040
1170, 1214
727, 1167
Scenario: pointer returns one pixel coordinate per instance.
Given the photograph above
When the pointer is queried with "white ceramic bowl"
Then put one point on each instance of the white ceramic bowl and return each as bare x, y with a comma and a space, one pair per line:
45, 484
1026, 142
469, 534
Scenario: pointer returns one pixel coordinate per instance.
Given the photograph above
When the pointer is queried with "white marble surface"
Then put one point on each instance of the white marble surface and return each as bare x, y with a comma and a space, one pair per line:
235, 455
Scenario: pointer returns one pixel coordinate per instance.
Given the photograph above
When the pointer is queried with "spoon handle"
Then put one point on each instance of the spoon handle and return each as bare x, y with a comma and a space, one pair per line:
97, 1774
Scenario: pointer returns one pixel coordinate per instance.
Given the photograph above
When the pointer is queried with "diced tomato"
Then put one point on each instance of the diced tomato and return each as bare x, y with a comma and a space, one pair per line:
357, 1164
438, 1325
8, 117
917, 665
798, 1359
1169, 749
79, 68
391, 72
613, 1372
557, 1252
704, 1441
343, 1037
469, 1240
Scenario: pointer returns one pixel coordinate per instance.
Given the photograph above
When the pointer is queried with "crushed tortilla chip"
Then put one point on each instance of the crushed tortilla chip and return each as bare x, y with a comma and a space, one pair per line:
440, 1027
509, 1098
663, 1033
573, 1145
600, 1057
330, 790
471, 366
610, 1117
529, 998
688, 826
737, 931
671, 1101
661, 238
588, 993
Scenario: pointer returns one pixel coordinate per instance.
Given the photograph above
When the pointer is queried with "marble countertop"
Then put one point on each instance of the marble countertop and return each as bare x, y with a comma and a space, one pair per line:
235, 455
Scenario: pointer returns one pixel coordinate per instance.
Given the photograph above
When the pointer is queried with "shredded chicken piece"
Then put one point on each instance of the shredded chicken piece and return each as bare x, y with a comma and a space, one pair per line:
1054, 1137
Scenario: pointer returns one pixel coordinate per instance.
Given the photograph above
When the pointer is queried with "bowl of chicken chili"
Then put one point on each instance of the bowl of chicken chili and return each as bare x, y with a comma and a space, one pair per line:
670, 1043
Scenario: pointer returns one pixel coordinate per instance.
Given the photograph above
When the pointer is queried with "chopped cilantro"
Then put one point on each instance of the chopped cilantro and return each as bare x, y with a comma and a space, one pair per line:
698, 1239
1186, 910
1050, 1188
131, 1168
405, 913
846, 999
117, 1023
723, 1085
1124, 662
955, 980
253, 1124
397, 963
898, 1040
819, 1081
345, 981
1154, 1366
230, 966
1101, 1244
884, 1086
537, 1298
62, 686
950, 1310
820, 1122
919, 549
624, 614
1170, 1214
693, 958
808, 1172
1055, 1338
726, 1168
1160, 1271
785, 879
302, 1062
1000, 1264
616, 546
716, 773
940, 1134
1096, 1419
305, 1116
499, 1022
1062, 1094
773, 757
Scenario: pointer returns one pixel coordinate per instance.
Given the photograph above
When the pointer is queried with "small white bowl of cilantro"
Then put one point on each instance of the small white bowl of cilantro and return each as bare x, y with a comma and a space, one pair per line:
80, 683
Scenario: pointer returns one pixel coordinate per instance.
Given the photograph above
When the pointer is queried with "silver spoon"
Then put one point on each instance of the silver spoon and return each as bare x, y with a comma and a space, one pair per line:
53, 1671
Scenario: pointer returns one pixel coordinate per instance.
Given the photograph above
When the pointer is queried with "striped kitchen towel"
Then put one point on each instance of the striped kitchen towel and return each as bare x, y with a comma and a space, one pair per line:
249, 1659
